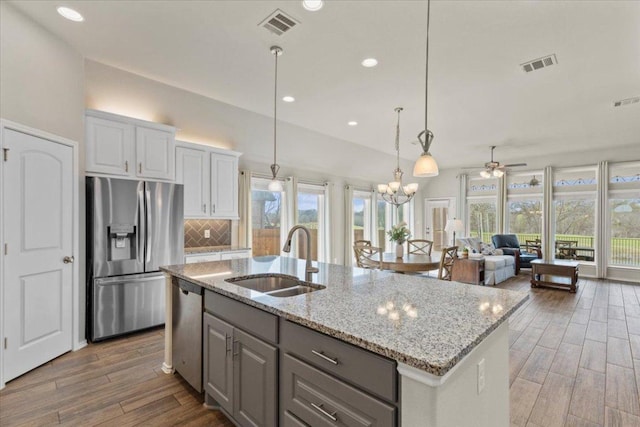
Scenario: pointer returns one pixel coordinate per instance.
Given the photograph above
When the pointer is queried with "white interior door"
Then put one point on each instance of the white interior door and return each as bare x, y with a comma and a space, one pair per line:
37, 221
436, 213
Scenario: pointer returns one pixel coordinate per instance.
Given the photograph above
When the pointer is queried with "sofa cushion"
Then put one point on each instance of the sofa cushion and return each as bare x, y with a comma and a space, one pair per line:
495, 262
509, 260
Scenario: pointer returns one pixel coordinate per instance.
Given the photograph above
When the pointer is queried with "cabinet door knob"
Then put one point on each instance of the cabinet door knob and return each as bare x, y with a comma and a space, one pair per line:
68, 260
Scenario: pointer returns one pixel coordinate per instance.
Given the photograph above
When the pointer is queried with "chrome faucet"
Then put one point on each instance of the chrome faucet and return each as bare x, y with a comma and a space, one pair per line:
309, 270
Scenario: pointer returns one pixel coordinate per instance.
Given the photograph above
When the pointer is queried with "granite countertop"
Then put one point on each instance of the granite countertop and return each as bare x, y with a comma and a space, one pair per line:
207, 249
426, 323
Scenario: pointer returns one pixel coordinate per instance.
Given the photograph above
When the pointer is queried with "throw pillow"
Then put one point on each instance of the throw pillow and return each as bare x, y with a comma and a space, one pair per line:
475, 243
488, 249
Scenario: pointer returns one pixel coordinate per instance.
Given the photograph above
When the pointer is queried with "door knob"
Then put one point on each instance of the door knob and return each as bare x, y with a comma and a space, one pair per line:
68, 259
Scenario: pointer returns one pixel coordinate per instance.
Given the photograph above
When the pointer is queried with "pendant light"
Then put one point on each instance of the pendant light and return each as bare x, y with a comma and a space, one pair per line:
275, 184
394, 192
426, 165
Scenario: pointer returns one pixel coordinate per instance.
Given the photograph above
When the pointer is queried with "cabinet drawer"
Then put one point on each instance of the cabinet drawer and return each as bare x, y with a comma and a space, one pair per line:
190, 259
289, 420
251, 319
235, 255
319, 399
342, 359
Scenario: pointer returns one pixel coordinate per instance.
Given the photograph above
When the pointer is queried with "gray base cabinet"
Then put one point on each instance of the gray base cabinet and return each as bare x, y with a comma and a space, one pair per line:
320, 399
218, 361
240, 373
255, 386
263, 370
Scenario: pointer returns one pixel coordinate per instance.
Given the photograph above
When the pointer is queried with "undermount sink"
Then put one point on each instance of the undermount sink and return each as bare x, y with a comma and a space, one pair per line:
276, 285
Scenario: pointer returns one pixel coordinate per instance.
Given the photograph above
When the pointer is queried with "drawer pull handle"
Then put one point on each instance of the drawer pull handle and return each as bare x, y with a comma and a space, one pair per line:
227, 341
236, 348
330, 415
325, 357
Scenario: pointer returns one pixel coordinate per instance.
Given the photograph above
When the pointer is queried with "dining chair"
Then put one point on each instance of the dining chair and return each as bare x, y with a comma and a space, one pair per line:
419, 247
446, 262
368, 256
364, 242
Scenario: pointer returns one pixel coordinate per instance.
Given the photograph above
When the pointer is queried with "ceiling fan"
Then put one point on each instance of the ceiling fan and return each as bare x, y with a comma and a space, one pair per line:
495, 169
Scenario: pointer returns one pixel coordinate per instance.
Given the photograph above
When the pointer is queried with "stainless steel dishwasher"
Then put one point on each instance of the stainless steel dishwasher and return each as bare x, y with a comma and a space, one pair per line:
187, 331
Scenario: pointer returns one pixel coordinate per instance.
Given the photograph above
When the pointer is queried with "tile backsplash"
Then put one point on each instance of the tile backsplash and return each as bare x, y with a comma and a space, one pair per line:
194, 230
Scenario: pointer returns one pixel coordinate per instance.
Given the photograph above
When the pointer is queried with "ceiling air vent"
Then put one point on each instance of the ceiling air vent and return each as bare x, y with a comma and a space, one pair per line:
627, 101
539, 63
278, 22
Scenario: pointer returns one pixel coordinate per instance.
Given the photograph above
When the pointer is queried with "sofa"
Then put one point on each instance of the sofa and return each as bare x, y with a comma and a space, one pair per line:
510, 245
498, 267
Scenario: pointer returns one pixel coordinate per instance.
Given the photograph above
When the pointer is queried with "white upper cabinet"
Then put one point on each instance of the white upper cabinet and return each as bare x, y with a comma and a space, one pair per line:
154, 153
210, 178
109, 146
224, 186
192, 170
119, 145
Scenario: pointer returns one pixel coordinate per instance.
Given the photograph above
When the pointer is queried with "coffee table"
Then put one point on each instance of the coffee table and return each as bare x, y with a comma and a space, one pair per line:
556, 273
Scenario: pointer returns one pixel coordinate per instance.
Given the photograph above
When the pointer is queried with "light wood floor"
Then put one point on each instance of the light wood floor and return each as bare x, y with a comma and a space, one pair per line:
114, 383
575, 358
574, 361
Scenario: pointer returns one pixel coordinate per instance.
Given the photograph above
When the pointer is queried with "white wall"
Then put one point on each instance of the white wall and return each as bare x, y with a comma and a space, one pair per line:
42, 86
41, 77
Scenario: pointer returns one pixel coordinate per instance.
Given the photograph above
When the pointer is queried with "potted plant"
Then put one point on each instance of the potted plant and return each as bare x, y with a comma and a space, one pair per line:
399, 234
465, 252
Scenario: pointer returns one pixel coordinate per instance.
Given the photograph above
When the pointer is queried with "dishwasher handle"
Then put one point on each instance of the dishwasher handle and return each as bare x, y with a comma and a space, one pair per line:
188, 287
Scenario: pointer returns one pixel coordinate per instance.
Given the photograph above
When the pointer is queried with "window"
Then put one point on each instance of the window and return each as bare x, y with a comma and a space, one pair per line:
383, 220
524, 205
361, 220
624, 215
574, 212
482, 220
267, 212
312, 214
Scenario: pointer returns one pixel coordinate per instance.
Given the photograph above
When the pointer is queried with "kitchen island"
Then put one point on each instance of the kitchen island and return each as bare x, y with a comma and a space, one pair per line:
448, 341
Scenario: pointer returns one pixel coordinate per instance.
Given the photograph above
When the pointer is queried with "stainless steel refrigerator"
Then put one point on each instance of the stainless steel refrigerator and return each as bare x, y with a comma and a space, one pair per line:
133, 227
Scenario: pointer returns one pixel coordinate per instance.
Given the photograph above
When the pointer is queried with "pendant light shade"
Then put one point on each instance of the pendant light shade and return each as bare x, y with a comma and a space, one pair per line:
426, 165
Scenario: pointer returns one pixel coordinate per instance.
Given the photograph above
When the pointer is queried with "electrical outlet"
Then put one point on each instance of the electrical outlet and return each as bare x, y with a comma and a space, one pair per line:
207, 234
481, 381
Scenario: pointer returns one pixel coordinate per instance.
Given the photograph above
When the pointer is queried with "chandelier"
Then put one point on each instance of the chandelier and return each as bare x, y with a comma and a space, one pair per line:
394, 192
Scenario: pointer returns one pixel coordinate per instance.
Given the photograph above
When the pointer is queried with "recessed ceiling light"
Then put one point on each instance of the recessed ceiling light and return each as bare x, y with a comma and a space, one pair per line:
312, 5
70, 14
370, 62
352, 123
288, 98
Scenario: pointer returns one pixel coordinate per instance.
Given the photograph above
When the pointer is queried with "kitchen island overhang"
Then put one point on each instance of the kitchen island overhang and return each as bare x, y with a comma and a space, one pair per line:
442, 334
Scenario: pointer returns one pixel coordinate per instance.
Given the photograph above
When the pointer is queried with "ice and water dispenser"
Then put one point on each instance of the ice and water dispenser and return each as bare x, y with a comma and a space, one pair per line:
123, 243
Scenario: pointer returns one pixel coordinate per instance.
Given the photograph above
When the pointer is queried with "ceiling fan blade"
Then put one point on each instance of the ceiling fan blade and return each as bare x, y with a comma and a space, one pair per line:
513, 165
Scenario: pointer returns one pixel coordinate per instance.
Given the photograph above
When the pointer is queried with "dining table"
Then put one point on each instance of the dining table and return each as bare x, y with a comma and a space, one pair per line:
409, 263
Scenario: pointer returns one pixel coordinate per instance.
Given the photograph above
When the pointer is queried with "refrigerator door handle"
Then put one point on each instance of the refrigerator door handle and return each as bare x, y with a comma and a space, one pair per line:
110, 281
141, 229
148, 225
